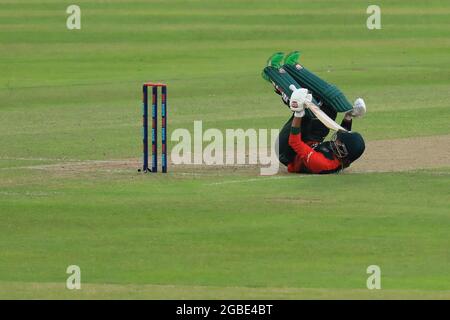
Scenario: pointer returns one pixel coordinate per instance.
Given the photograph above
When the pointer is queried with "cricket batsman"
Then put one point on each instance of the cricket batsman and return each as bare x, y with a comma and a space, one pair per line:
301, 142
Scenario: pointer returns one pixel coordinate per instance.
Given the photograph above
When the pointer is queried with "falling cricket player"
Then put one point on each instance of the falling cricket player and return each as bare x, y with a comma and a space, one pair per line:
301, 142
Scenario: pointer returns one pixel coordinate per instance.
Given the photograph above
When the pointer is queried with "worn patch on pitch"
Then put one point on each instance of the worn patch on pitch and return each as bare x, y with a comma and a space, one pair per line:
404, 155
380, 156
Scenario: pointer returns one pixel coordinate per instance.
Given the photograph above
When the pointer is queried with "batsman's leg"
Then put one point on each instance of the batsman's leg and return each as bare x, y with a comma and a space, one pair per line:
328, 93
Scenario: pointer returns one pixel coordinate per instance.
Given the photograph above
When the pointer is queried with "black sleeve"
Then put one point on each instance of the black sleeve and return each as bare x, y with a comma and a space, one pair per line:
347, 124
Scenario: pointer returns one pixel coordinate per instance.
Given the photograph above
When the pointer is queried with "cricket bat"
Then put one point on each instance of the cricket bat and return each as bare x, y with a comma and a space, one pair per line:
323, 117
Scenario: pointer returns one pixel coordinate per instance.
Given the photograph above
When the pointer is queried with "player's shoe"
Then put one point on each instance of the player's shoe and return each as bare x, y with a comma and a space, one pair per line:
292, 58
273, 61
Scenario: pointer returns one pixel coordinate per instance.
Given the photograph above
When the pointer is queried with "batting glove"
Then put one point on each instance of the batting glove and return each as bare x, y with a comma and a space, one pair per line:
359, 109
297, 101
298, 96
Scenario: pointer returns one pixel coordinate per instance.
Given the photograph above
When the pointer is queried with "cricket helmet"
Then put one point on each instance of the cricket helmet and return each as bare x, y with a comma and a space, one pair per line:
348, 145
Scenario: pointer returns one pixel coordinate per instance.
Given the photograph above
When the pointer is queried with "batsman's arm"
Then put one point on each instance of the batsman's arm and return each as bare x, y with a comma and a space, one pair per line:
314, 161
295, 140
347, 123
296, 123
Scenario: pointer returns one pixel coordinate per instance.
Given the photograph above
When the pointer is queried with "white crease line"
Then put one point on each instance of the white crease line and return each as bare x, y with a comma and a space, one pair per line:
65, 160
199, 174
256, 179
37, 159
68, 162
29, 193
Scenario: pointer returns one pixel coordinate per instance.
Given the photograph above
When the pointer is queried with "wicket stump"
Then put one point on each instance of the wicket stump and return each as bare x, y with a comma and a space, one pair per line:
154, 132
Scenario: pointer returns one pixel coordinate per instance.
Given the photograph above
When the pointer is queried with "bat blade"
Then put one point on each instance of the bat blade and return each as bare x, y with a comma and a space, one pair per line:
323, 117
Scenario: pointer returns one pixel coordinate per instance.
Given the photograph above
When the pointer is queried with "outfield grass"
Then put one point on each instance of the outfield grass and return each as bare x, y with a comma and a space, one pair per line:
199, 232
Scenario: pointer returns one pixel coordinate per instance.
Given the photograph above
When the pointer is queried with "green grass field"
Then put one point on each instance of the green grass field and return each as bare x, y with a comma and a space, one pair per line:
72, 99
